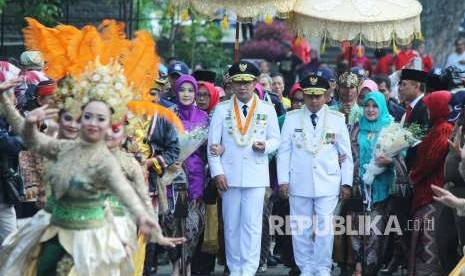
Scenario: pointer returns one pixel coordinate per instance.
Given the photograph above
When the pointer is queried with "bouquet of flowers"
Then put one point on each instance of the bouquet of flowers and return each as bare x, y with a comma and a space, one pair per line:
189, 142
391, 141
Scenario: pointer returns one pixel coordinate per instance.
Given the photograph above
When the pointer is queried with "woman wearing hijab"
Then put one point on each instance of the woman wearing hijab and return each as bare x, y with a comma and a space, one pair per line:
207, 97
364, 137
203, 262
190, 208
367, 87
428, 171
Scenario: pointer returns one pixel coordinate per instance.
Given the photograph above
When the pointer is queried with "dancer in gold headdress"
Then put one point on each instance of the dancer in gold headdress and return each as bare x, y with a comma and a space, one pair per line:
83, 170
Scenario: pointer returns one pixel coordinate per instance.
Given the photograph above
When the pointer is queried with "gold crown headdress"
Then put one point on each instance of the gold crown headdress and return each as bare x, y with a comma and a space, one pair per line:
98, 64
349, 79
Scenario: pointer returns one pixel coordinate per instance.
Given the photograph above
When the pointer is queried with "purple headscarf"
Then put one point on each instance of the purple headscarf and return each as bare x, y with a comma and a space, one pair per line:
190, 115
259, 91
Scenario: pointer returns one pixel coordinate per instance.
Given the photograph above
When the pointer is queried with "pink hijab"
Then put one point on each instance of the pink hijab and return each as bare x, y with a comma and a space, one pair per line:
370, 85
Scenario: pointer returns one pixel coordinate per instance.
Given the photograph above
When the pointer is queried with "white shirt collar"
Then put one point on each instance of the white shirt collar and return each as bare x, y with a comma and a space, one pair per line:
414, 102
318, 114
249, 103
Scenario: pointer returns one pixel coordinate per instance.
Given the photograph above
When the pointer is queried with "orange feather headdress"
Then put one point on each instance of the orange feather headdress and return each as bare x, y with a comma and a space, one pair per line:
100, 64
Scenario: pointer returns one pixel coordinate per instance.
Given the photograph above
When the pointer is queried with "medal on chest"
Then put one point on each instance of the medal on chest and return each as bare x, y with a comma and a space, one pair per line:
243, 131
318, 139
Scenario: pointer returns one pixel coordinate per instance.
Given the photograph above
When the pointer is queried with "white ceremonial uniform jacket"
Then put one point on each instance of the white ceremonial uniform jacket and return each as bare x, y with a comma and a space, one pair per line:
242, 166
308, 157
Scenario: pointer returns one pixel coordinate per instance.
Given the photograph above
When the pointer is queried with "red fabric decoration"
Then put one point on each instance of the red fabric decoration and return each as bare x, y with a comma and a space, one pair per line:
384, 65
46, 90
427, 63
301, 48
403, 57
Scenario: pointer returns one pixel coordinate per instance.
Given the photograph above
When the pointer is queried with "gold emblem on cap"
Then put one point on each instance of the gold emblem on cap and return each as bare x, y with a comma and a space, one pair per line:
313, 80
242, 67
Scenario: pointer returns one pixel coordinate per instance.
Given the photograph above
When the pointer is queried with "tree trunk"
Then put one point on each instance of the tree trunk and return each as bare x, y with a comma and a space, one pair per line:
440, 26
172, 37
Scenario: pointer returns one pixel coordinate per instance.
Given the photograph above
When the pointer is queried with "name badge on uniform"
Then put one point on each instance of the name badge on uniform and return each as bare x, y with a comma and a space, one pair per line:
261, 120
299, 137
330, 138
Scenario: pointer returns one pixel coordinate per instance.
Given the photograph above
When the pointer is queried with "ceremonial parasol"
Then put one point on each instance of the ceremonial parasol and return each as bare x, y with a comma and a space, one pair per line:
375, 23
245, 10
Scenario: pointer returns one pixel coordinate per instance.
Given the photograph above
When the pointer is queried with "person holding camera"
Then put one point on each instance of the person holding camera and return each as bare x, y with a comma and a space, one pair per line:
10, 181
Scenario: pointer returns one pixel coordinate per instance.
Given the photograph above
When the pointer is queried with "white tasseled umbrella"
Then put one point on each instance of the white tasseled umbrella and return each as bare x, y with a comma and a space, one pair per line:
376, 23
246, 10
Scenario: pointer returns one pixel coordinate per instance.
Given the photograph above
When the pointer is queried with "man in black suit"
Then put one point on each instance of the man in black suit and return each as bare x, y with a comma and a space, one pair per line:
163, 140
411, 89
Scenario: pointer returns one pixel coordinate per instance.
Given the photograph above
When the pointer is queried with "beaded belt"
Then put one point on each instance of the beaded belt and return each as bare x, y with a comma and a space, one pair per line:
50, 204
117, 208
82, 214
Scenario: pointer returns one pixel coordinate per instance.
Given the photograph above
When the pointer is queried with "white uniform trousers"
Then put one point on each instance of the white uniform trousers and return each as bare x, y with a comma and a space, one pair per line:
242, 215
312, 229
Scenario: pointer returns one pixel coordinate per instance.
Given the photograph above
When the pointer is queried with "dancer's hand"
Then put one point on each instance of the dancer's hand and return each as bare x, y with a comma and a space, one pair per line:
171, 242
42, 113
7, 85
447, 198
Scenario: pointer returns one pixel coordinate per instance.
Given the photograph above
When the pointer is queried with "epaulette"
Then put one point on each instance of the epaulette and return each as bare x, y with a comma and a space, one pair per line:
337, 113
292, 112
267, 102
224, 102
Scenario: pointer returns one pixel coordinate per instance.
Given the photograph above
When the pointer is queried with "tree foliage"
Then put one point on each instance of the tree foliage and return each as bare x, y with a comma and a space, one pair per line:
267, 42
440, 22
2, 5
46, 11
183, 34
190, 38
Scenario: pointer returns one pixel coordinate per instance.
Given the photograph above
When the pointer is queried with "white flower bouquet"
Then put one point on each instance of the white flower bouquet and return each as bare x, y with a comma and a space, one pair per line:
391, 141
189, 142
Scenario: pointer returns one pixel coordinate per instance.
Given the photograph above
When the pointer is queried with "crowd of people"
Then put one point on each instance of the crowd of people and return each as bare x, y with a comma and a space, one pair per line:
197, 175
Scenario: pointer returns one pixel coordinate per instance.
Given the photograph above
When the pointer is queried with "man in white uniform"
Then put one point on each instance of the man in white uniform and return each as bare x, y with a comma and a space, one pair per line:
309, 173
247, 128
